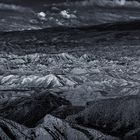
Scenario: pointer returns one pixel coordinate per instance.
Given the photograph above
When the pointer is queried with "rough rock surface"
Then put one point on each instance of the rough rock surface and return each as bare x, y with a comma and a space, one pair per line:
29, 110
50, 128
115, 116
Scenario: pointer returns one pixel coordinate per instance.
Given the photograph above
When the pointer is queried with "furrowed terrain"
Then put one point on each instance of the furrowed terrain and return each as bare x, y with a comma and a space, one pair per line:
71, 83
69, 70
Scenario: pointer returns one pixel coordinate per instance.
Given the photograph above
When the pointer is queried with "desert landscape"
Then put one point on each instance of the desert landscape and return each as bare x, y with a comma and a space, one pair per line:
67, 73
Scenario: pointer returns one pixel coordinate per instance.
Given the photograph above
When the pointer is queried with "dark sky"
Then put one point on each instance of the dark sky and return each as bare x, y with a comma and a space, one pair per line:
33, 1
39, 3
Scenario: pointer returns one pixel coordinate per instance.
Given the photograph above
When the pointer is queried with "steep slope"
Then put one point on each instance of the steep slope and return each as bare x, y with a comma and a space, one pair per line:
114, 116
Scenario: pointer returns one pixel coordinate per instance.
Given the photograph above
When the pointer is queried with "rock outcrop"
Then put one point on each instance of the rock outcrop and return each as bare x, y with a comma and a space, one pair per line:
28, 110
50, 128
115, 116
